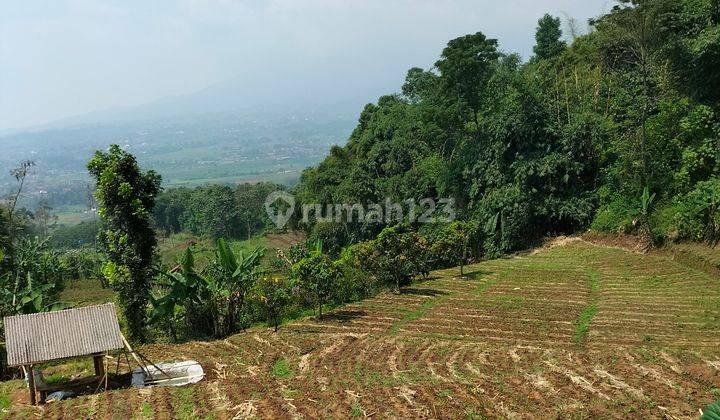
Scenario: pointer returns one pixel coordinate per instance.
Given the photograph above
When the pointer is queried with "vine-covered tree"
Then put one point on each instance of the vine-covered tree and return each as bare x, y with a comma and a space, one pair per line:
126, 198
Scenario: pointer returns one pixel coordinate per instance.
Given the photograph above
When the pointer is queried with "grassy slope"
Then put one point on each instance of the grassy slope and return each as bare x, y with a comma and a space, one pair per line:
574, 331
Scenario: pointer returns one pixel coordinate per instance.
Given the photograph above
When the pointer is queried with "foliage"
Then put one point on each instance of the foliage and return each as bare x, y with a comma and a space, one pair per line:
547, 37
273, 295
210, 302
184, 288
233, 276
698, 215
215, 211
126, 198
316, 274
453, 244
394, 257
37, 278
353, 283
568, 140
32, 298
711, 412
74, 236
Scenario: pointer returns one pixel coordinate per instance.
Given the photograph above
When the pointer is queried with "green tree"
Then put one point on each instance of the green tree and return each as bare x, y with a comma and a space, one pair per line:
316, 275
126, 198
184, 288
465, 65
44, 217
273, 294
451, 245
395, 256
547, 38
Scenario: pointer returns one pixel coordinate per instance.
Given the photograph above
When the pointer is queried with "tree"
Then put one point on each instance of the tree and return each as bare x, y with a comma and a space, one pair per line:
451, 245
250, 200
419, 84
273, 295
44, 216
126, 197
19, 173
316, 275
395, 256
465, 65
547, 38
184, 288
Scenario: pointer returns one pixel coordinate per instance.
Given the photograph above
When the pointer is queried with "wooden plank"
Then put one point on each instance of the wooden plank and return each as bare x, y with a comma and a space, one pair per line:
31, 384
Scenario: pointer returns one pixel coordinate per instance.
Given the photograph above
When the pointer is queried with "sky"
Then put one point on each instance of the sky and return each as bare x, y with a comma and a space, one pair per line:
61, 58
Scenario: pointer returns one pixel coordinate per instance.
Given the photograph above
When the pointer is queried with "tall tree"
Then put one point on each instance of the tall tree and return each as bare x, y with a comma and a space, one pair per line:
547, 38
126, 197
44, 217
465, 65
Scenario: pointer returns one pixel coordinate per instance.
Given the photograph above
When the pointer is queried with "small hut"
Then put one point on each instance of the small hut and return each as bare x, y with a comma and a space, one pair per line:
49, 336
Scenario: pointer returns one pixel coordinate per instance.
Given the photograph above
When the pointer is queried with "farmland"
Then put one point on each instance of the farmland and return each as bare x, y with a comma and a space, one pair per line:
577, 330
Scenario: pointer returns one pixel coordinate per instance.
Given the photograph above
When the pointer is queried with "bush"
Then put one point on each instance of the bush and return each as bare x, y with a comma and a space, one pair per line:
698, 215
615, 217
353, 283
316, 274
273, 295
395, 256
453, 244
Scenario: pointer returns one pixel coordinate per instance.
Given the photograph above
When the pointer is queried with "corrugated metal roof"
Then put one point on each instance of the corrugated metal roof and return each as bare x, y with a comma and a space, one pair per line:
47, 336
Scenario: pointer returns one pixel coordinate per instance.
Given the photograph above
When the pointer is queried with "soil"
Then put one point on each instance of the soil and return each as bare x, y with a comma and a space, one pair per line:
502, 342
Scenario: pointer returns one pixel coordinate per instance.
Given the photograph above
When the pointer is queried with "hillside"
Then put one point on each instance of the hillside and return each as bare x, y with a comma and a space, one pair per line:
576, 330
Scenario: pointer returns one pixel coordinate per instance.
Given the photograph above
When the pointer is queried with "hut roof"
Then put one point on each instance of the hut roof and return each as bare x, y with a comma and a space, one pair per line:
47, 336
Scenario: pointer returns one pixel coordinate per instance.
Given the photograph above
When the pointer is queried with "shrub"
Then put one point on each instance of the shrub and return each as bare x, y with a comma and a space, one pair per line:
698, 215
273, 295
615, 217
395, 256
317, 276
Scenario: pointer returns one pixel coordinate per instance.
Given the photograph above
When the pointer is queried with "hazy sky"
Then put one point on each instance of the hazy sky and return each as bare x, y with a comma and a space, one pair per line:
60, 58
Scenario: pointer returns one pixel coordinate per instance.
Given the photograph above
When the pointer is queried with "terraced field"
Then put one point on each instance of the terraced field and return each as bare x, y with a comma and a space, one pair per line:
575, 331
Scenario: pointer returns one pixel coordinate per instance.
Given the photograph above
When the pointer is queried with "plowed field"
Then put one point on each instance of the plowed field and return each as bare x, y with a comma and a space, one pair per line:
575, 331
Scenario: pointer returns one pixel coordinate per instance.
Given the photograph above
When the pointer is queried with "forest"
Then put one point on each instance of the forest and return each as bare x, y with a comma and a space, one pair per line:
617, 132
614, 131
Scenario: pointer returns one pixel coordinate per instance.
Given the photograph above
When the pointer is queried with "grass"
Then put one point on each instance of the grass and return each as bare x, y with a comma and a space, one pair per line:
584, 320
472, 366
510, 303
185, 403
356, 411
72, 215
147, 411
172, 247
414, 314
85, 292
55, 378
281, 369
6, 390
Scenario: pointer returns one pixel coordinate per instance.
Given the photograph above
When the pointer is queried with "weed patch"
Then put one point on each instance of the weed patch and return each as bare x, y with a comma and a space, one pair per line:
281, 369
584, 320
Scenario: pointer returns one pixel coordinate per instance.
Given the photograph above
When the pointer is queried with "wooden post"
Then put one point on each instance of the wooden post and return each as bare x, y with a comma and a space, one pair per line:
99, 364
31, 384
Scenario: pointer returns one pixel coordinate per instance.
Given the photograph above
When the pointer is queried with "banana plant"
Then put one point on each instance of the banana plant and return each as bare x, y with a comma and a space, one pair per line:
647, 201
33, 298
183, 287
238, 277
